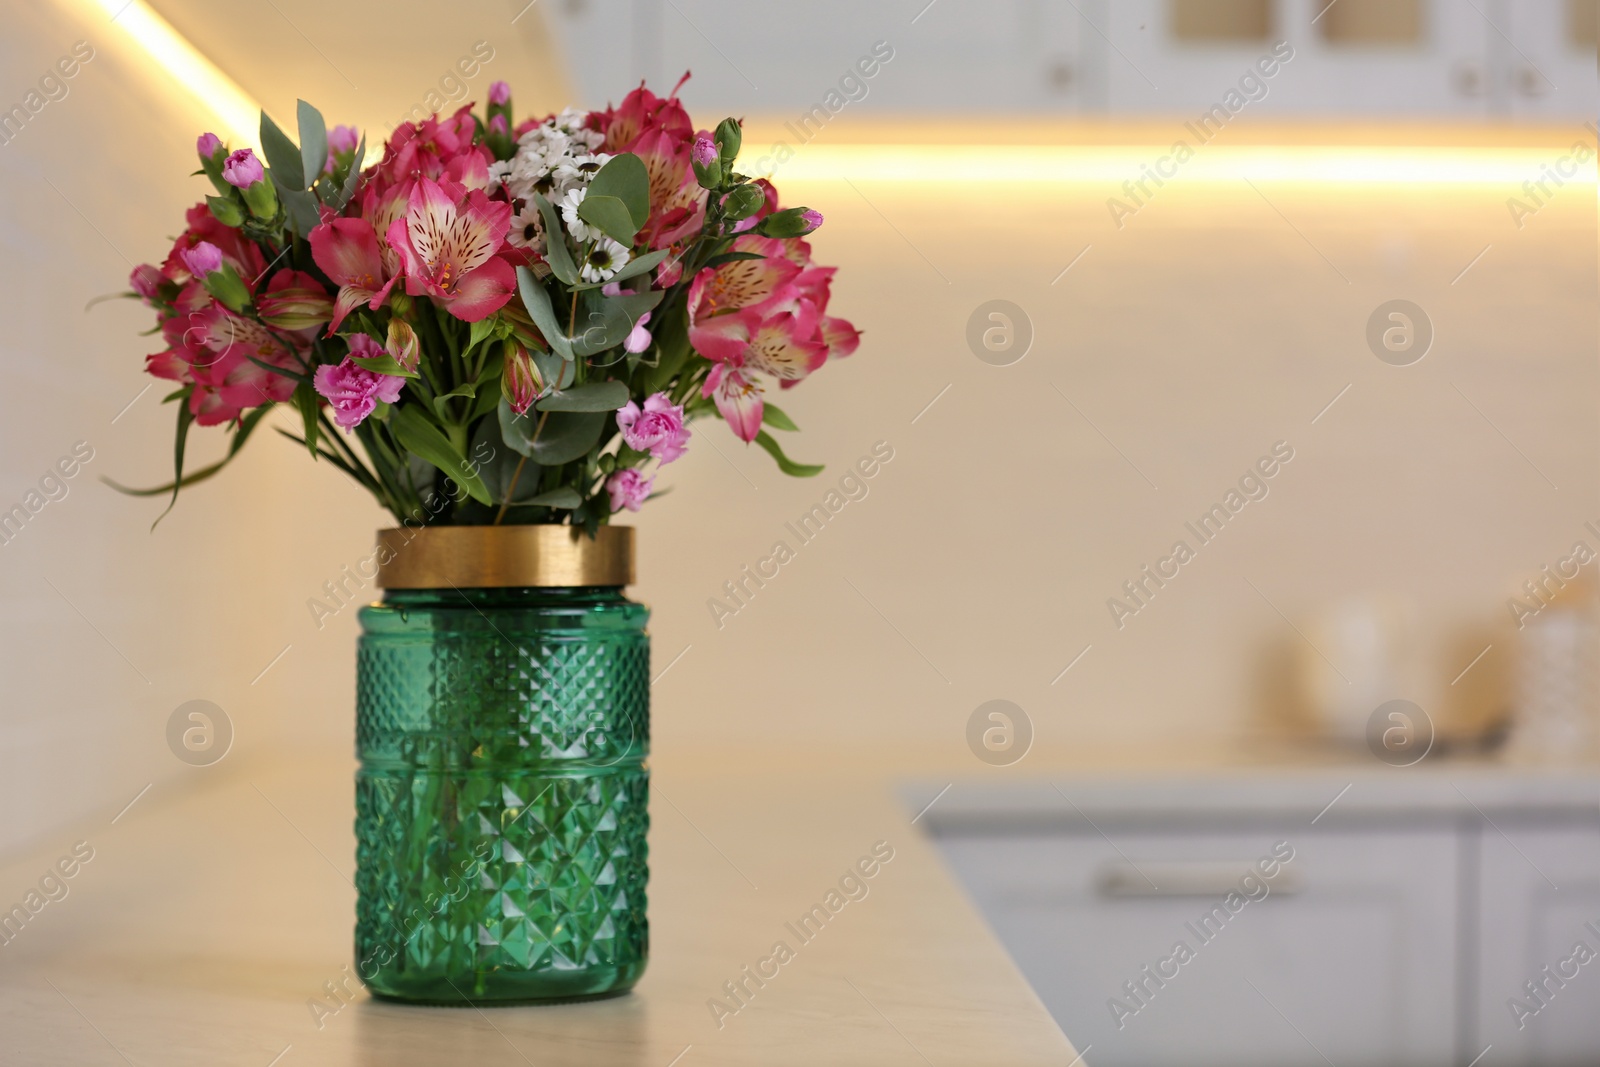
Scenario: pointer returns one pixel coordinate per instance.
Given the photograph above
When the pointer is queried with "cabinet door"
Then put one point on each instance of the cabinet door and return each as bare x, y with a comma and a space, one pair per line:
1351, 957
1548, 68
1540, 893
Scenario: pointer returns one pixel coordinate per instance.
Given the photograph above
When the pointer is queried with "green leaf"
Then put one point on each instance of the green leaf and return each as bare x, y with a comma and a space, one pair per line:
555, 242
420, 436
282, 372
313, 141
773, 416
591, 396
469, 391
785, 464
384, 364
564, 497
282, 156
624, 178
481, 329
610, 216
553, 438
637, 266
537, 302
305, 398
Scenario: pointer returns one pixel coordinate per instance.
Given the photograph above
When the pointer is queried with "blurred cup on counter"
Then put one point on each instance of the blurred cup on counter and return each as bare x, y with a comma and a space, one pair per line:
1558, 676
1359, 654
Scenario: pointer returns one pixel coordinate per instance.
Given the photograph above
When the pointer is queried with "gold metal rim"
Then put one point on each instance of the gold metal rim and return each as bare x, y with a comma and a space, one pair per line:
478, 557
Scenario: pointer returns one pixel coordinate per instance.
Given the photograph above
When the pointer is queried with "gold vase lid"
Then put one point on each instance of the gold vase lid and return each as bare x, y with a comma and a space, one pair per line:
477, 557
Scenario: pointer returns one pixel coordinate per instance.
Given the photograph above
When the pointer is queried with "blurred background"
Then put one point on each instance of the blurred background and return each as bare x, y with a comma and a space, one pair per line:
1307, 288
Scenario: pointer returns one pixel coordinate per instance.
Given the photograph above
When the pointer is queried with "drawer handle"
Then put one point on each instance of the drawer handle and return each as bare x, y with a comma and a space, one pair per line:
1121, 878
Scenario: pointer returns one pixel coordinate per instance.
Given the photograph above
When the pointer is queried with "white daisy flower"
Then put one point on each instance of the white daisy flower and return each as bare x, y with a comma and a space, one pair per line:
604, 260
527, 229
579, 230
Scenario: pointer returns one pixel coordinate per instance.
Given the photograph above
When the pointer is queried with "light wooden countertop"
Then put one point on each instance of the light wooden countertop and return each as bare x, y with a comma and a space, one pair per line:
217, 910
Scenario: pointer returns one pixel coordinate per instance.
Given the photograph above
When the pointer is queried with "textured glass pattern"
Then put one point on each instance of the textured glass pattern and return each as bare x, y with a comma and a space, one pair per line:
501, 814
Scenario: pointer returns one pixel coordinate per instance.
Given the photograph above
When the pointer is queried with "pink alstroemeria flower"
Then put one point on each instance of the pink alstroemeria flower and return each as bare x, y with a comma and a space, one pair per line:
628, 489
347, 251
738, 399
353, 391
658, 429
447, 241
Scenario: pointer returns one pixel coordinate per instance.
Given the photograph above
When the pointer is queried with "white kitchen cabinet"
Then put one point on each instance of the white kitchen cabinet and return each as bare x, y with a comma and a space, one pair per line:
1349, 956
1417, 902
1473, 58
1539, 897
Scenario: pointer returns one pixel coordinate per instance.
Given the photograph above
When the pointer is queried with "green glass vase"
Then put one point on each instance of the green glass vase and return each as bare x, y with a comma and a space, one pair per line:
501, 800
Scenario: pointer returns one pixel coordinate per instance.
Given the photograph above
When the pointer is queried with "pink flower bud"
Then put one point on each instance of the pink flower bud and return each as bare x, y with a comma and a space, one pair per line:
203, 259
499, 94
144, 280
403, 344
207, 145
704, 152
242, 169
520, 383
813, 219
498, 125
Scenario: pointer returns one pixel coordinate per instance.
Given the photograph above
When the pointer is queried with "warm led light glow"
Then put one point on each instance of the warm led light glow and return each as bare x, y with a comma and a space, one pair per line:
983, 165
237, 112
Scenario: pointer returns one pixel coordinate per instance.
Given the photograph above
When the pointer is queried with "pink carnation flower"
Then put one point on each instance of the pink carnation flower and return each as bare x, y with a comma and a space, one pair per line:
353, 391
499, 94
658, 429
242, 169
207, 144
628, 489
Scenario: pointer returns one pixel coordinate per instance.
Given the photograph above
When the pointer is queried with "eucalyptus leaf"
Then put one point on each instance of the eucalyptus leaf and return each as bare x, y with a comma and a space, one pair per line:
500, 469
785, 464
610, 216
300, 205
591, 396
624, 178
313, 142
551, 438
282, 156
609, 319
565, 497
537, 302
419, 435
555, 241
555, 371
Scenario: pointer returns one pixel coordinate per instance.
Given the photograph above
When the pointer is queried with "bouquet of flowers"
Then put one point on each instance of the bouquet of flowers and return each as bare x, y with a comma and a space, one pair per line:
499, 321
